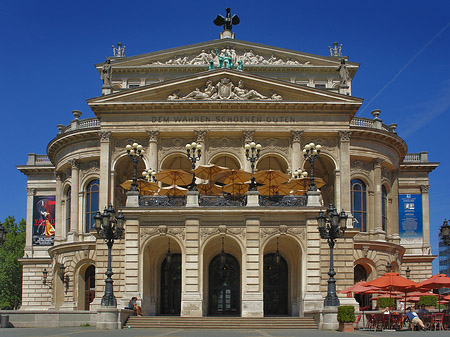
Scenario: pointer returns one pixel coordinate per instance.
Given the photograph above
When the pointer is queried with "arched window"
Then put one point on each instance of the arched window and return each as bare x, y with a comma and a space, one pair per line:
359, 204
384, 220
92, 194
68, 208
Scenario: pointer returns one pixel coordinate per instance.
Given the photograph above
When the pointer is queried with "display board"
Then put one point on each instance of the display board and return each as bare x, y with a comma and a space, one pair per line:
43, 220
410, 218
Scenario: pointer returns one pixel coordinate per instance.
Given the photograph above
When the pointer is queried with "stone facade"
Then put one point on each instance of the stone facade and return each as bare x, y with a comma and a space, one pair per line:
163, 101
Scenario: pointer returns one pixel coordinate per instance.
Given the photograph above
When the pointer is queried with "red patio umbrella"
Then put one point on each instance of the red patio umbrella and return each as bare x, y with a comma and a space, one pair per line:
437, 281
358, 288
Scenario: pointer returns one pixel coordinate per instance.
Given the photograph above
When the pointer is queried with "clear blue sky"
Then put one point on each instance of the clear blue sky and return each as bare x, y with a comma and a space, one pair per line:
48, 51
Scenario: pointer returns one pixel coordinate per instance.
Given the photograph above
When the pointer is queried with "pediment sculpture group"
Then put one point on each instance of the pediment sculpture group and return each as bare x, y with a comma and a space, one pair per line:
224, 89
244, 57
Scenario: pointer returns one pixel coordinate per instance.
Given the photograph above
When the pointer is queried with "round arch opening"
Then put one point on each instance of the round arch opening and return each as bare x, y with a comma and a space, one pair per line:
324, 168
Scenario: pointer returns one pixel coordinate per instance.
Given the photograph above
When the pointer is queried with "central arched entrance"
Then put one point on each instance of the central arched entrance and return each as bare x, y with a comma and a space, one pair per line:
171, 285
224, 290
275, 285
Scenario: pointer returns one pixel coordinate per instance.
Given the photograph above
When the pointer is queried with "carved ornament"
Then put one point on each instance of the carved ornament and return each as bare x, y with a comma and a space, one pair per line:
299, 232
345, 135
75, 164
105, 136
90, 167
222, 230
360, 166
296, 136
163, 230
153, 136
31, 191
201, 134
225, 89
424, 188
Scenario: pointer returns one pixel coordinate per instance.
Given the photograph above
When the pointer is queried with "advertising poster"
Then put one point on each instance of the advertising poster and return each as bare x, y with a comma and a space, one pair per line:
43, 221
410, 218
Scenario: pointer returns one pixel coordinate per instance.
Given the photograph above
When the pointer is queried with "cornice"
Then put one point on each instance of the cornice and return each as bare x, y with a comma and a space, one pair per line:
427, 167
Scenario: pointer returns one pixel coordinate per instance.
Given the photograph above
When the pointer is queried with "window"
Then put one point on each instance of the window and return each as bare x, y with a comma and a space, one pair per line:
92, 194
68, 208
359, 205
383, 208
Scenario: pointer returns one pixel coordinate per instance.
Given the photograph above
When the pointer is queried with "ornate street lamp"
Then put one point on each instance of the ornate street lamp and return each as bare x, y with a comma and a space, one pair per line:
311, 152
445, 232
62, 276
134, 152
109, 227
408, 273
299, 174
150, 175
193, 152
252, 153
388, 267
332, 225
2, 234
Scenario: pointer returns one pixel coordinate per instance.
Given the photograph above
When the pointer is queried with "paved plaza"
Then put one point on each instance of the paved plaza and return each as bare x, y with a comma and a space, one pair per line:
92, 332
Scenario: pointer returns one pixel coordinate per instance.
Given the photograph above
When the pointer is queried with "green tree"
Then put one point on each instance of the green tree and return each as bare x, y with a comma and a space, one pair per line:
10, 267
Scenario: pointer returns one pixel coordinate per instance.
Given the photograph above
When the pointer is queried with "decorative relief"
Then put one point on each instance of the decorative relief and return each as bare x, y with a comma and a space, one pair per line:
329, 145
222, 230
224, 89
249, 135
245, 57
424, 188
163, 230
345, 135
153, 136
299, 232
377, 162
296, 136
105, 136
360, 166
224, 143
90, 167
59, 176
385, 173
201, 134
75, 164
31, 191
365, 251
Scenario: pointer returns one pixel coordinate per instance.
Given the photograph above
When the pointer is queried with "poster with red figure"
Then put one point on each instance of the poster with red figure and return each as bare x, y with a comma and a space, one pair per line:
43, 220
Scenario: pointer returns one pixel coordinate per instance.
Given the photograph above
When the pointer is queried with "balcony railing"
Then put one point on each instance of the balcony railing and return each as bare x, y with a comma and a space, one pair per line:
370, 124
80, 124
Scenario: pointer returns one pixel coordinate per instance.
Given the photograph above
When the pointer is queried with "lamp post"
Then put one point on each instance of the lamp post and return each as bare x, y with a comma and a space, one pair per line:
2, 234
149, 175
299, 174
134, 152
388, 267
252, 153
408, 273
310, 153
445, 232
109, 227
193, 152
332, 225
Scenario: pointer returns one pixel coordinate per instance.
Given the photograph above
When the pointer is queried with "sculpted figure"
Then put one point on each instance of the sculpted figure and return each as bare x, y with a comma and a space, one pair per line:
343, 73
202, 58
106, 74
242, 93
209, 92
174, 96
275, 96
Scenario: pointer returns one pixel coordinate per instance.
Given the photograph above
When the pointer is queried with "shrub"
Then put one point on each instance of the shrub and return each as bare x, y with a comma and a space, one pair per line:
384, 302
428, 301
346, 314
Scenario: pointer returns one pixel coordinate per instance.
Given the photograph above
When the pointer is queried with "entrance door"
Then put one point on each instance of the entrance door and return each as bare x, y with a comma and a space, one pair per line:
224, 290
89, 287
171, 285
275, 285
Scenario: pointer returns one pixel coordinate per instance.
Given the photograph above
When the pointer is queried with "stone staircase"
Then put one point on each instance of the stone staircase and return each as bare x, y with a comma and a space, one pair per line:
221, 322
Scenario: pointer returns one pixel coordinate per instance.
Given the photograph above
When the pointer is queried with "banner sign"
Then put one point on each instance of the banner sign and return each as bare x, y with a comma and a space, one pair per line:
43, 221
410, 218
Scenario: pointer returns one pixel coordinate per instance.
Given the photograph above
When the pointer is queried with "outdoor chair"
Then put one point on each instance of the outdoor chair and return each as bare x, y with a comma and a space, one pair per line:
356, 322
437, 320
370, 324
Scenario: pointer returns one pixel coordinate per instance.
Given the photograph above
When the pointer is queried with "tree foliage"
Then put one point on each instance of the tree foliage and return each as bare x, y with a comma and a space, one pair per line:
10, 267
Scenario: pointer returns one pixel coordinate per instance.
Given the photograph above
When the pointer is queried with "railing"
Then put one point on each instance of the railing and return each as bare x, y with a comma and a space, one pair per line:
218, 201
283, 201
421, 157
369, 123
81, 124
161, 201
38, 160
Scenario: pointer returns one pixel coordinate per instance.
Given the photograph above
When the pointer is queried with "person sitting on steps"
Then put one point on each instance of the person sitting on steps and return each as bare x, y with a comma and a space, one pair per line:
132, 305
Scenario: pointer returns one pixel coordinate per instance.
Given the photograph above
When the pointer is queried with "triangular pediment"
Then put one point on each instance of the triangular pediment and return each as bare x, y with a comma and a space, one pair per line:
249, 53
224, 85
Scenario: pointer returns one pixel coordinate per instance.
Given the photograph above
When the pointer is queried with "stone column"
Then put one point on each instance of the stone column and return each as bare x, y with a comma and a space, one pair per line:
337, 189
201, 134
152, 151
248, 138
131, 242
296, 150
191, 294
378, 228
393, 219
426, 250
344, 150
60, 225
104, 200
252, 280
29, 231
74, 207
313, 300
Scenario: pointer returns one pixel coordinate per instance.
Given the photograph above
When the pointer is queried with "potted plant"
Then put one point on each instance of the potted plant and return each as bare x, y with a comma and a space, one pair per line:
430, 302
346, 317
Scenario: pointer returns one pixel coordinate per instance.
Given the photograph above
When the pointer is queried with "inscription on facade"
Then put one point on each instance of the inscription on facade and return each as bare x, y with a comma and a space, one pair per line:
224, 119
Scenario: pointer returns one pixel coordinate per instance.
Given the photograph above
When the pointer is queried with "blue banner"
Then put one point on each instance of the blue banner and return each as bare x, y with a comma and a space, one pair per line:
410, 218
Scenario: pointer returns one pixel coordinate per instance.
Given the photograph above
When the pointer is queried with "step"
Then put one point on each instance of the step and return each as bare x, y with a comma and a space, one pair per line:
221, 322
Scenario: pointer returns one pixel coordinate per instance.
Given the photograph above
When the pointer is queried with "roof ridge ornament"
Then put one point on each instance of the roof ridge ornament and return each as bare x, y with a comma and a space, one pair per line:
228, 21
335, 50
119, 51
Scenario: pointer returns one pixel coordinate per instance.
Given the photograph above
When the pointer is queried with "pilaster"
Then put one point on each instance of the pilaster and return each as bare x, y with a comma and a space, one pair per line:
131, 279
425, 219
60, 227
344, 137
378, 232
29, 231
252, 280
296, 149
105, 137
152, 151
249, 136
200, 138
74, 207
191, 298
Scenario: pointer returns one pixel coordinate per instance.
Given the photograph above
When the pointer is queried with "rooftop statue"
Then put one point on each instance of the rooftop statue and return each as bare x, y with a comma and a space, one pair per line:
227, 21
106, 74
335, 50
343, 73
119, 51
